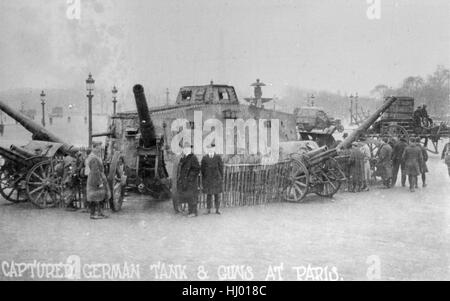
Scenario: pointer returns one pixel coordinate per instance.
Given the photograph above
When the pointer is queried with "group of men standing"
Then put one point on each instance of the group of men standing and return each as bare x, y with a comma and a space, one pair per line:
392, 156
189, 183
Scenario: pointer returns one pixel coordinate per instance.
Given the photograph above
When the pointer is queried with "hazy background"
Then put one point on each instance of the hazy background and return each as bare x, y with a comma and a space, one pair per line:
295, 45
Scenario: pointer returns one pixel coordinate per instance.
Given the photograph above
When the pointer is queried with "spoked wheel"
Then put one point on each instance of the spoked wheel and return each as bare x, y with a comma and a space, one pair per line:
297, 182
397, 131
116, 179
330, 176
44, 184
12, 187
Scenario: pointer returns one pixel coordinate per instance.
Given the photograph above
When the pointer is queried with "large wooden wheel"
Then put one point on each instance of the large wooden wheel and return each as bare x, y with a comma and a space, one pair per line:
116, 179
297, 182
44, 183
12, 187
329, 178
397, 131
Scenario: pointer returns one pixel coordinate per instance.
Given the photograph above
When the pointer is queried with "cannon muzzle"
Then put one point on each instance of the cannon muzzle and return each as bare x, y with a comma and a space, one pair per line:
148, 137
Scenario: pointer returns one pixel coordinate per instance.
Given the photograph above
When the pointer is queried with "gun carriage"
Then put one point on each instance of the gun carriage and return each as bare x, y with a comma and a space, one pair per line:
318, 171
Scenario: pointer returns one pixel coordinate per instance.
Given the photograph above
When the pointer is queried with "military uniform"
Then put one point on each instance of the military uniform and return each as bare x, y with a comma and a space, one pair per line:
97, 189
356, 165
423, 165
397, 163
384, 164
412, 158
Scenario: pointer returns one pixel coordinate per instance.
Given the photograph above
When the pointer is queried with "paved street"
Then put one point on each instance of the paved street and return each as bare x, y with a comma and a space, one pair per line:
404, 235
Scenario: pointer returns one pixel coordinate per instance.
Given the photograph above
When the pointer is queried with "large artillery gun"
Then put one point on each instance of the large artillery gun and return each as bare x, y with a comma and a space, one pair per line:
317, 171
35, 171
138, 150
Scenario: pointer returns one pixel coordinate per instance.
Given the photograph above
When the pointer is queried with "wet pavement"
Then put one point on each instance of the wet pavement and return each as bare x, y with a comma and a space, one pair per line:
381, 234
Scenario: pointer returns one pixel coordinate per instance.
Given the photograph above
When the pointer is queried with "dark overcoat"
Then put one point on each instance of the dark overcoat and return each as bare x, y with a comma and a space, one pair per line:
212, 174
187, 178
356, 164
384, 163
97, 184
412, 157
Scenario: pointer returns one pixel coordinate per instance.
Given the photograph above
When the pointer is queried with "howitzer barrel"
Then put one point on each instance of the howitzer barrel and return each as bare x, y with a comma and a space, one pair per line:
366, 124
321, 157
146, 125
9, 155
38, 131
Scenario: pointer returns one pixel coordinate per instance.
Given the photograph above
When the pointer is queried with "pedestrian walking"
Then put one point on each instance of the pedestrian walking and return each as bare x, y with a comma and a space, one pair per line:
97, 188
412, 158
397, 163
423, 165
212, 178
187, 179
384, 162
356, 165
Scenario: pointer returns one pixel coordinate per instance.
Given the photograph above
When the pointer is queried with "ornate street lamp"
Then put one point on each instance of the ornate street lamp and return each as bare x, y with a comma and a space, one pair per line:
43, 107
90, 88
114, 93
351, 109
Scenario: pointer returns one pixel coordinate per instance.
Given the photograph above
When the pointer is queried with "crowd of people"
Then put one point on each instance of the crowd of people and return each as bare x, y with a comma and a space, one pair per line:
392, 156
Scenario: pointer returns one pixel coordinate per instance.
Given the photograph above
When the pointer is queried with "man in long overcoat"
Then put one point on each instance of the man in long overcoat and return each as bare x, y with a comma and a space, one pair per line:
384, 162
356, 164
97, 188
187, 179
412, 158
423, 164
397, 163
212, 178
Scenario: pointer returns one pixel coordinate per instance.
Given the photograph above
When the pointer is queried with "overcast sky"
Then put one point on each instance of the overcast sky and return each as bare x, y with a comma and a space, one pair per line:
328, 44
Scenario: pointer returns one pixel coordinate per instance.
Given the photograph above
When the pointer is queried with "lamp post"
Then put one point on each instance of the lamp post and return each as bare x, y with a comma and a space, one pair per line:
167, 96
312, 100
43, 107
90, 88
351, 109
356, 107
114, 93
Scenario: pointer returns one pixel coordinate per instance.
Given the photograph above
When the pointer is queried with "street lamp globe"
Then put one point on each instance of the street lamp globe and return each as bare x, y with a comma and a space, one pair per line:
90, 83
114, 91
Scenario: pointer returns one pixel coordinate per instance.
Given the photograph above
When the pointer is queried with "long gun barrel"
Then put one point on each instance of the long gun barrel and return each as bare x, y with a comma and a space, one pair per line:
366, 124
146, 125
322, 154
38, 131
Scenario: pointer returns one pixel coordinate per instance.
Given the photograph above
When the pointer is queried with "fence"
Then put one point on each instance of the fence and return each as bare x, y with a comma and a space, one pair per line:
252, 184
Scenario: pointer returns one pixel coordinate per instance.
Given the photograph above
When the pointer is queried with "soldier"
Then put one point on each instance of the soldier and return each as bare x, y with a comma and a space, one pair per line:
356, 164
187, 179
212, 178
412, 158
97, 188
384, 162
423, 164
365, 149
446, 155
397, 163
